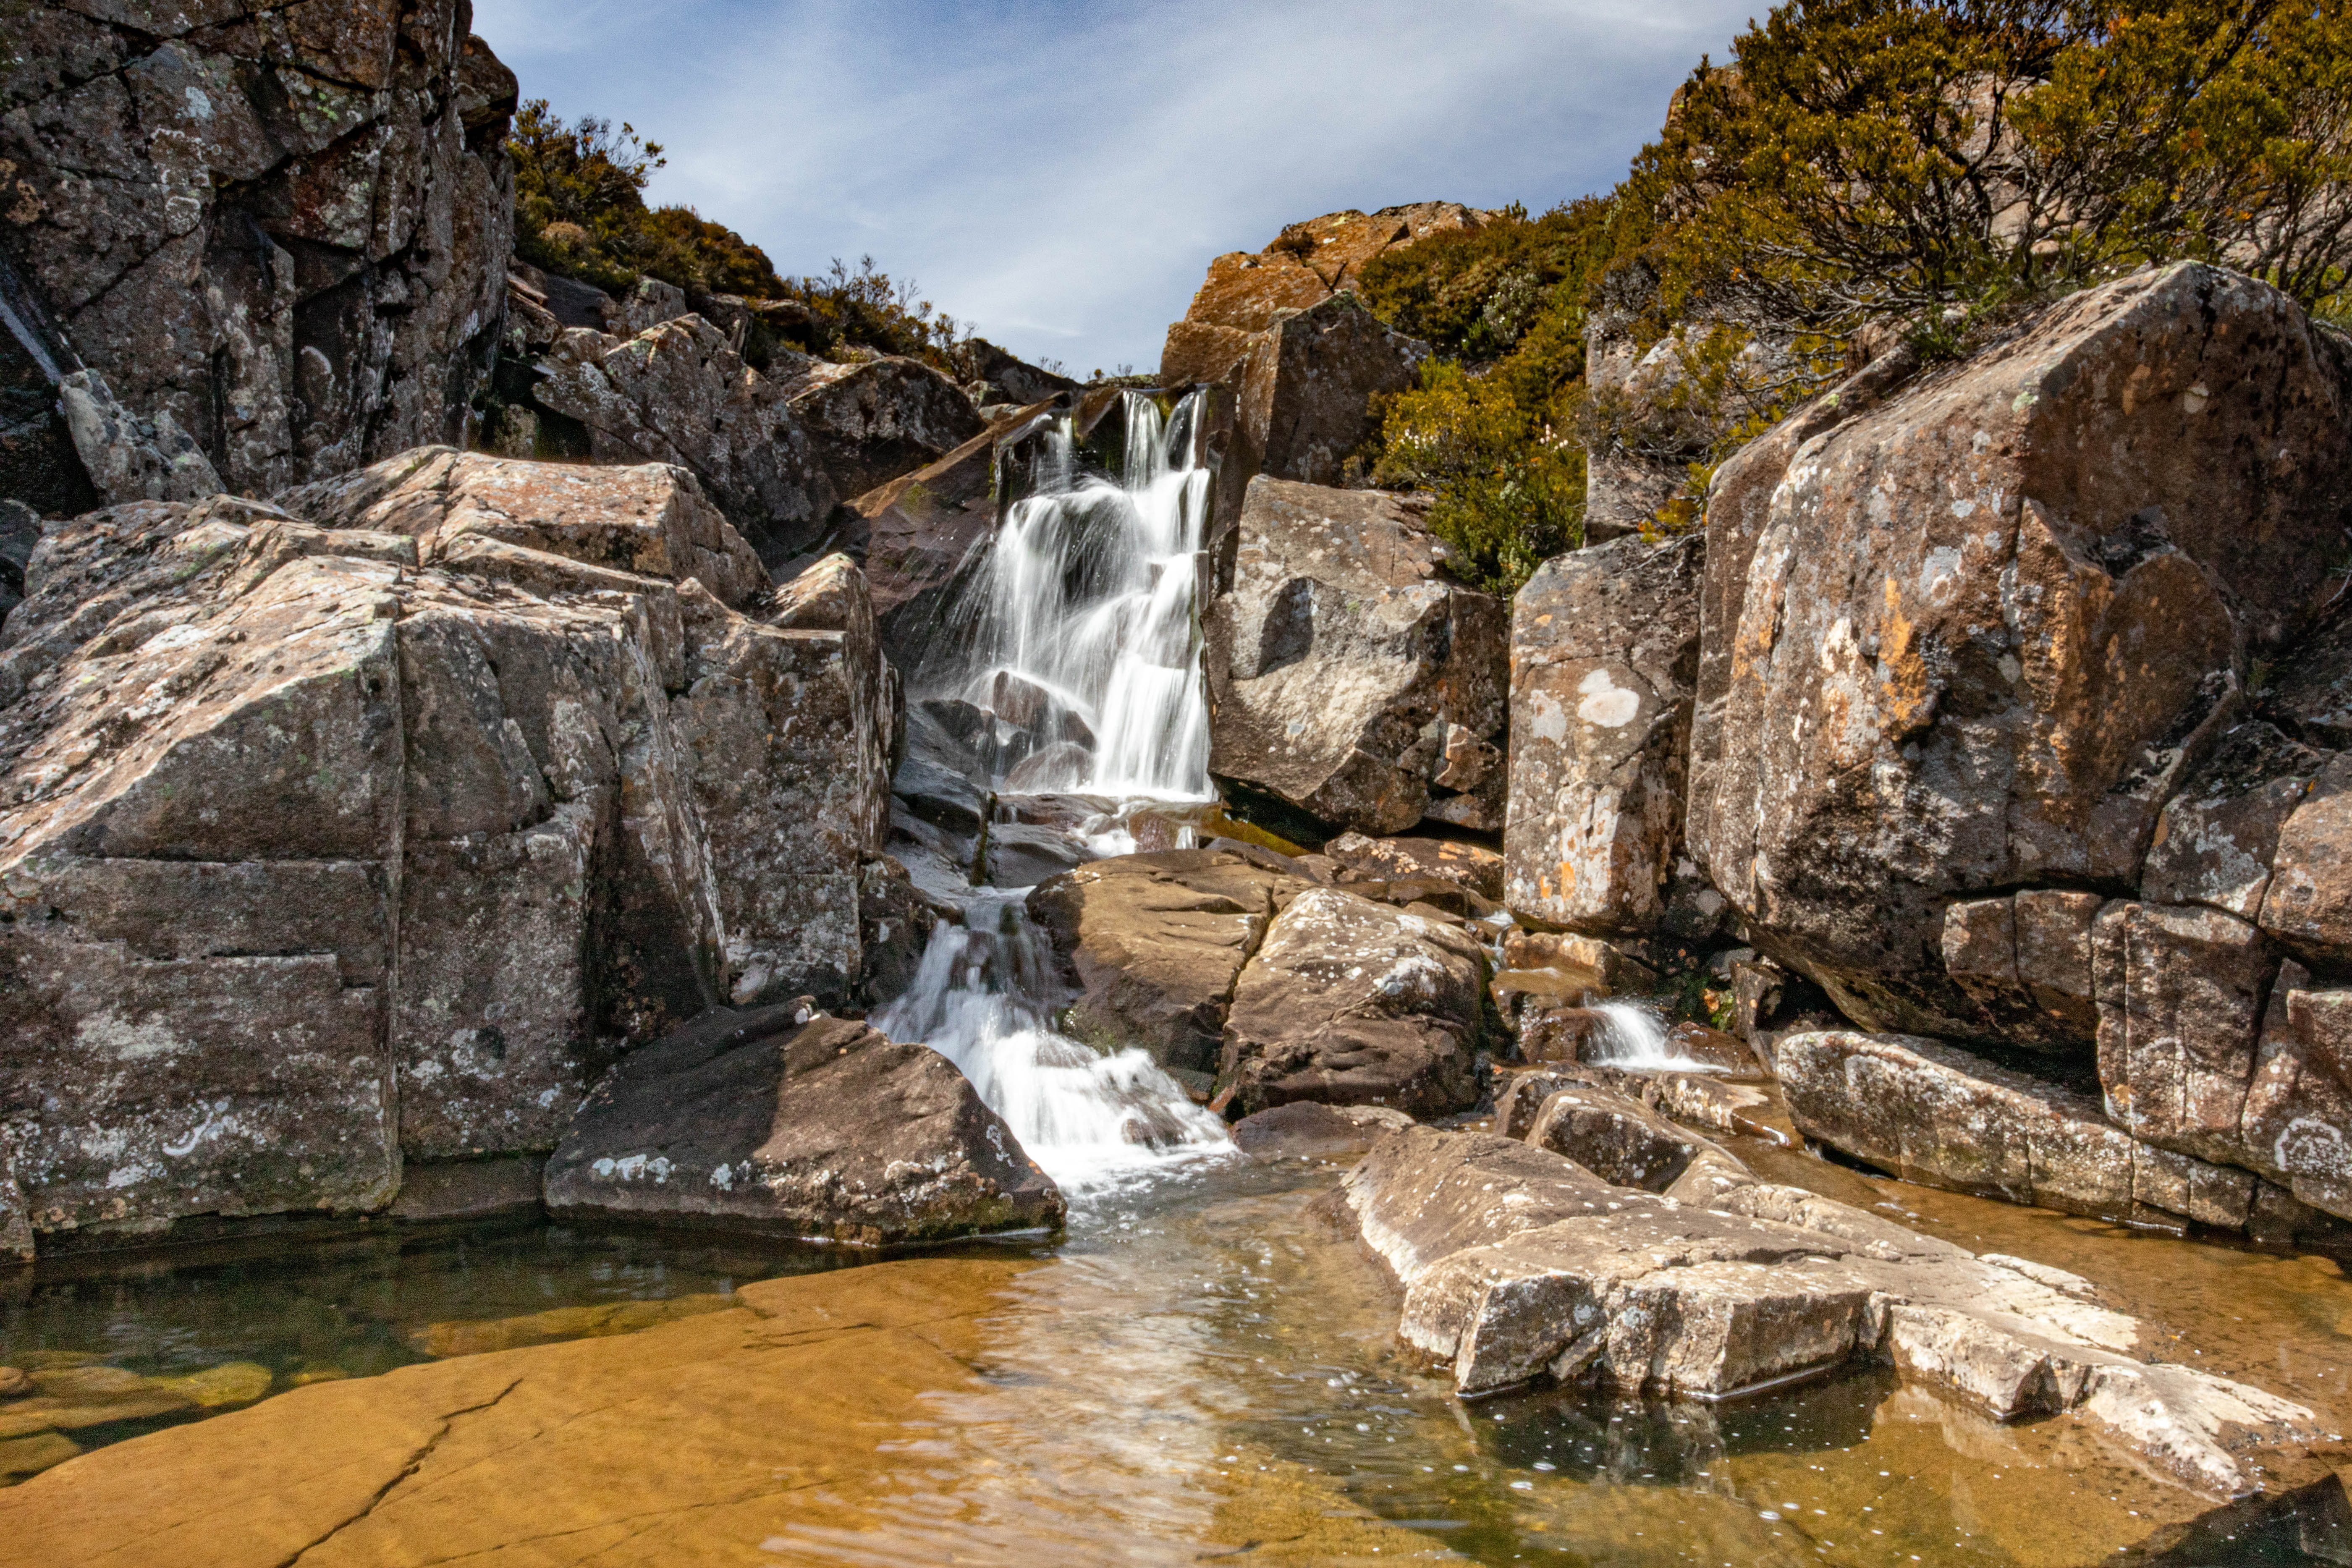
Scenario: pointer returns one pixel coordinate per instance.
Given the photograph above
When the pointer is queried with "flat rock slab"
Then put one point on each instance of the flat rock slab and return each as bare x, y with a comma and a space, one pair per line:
1519, 1264
1308, 1130
766, 1120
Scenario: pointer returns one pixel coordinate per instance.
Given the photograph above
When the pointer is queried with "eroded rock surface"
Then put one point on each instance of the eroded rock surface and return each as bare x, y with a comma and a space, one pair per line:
768, 1120
1344, 664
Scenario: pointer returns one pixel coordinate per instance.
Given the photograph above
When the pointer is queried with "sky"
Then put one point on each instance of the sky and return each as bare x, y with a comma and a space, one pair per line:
1057, 173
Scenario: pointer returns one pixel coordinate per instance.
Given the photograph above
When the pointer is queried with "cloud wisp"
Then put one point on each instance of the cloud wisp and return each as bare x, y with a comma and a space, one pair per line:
1059, 174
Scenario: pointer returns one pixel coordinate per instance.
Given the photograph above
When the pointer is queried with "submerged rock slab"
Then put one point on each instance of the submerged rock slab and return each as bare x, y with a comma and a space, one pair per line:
772, 1121
1519, 1264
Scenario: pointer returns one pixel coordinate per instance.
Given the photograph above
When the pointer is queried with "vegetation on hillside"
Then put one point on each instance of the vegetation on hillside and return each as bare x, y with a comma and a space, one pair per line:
580, 210
1920, 168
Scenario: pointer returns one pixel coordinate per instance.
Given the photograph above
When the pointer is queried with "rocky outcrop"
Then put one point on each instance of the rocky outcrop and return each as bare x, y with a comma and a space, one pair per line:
284, 230
1154, 944
769, 1120
445, 807
1354, 1003
868, 423
1934, 1114
1604, 656
2102, 522
129, 458
1348, 673
1518, 1264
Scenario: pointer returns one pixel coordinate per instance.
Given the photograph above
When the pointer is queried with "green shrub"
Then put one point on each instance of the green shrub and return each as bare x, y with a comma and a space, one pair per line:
1509, 492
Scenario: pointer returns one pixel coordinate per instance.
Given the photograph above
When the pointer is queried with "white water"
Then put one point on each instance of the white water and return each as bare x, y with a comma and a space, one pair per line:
1088, 593
985, 999
1635, 1035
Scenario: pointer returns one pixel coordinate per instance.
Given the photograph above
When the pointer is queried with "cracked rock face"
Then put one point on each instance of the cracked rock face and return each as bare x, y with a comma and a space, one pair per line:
1520, 1264
443, 809
1973, 637
1343, 663
819, 1129
284, 228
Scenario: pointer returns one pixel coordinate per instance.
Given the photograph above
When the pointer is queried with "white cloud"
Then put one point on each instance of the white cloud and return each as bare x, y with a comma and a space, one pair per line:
1060, 173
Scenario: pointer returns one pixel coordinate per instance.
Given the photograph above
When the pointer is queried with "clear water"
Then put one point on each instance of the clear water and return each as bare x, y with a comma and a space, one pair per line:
1088, 593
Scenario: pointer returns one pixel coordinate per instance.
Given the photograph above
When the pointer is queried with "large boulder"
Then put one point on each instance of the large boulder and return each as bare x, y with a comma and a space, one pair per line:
1154, 944
1971, 639
868, 423
651, 519
1347, 670
815, 1127
1519, 1264
1355, 1003
678, 393
1935, 1114
289, 237
441, 816
1604, 656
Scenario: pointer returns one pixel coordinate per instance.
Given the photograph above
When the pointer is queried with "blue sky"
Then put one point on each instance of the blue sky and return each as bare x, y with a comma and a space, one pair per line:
1060, 173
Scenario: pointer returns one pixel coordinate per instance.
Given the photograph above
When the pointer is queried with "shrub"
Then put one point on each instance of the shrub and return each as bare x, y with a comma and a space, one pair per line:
1509, 494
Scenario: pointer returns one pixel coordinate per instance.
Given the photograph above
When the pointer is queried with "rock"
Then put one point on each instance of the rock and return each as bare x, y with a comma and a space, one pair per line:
1307, 1130
2004, 695
1627, 1144
678, 392
772, 1121
652, 520
39, 468
1933, 1114
1307, 389
2181, 1000
1009, 380
1518, 1264
651, 304
2296, 1127
20, 532
2215, 841
1612, 968
1604, 653
868, 424
2026, 960
1468, 866
1341, 654
2311, 691
1022, 854
288, 237
1154, 944
129, 458
1353, 1002
445, 836
1549, 1031
2308, 904
467, 1189
895, 922
13, 1382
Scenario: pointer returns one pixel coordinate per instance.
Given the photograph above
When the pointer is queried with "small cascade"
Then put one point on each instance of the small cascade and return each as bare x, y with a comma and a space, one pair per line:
1633, 1035
984, 998
1081, 624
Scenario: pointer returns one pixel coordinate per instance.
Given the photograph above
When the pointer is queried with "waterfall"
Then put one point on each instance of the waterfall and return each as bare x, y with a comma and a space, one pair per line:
1633, 1035
1085, 667
984, 998
1083, 626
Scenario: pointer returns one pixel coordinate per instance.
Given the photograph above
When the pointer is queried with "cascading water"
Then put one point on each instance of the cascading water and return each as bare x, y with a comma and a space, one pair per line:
1083, 638
1087, 596
1635, 1035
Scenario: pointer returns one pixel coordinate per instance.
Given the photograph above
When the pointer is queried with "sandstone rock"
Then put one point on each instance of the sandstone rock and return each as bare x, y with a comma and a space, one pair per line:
1307, 1131
1353, 1002
768, 1120
1605, 652
2308, 904
1614, 969
2003, 692
1936, 1115
1341, 654
1549, 1031
1518, 1264
129, 458
289, 234
652, 520
678, 392
1154, 945
2180, 996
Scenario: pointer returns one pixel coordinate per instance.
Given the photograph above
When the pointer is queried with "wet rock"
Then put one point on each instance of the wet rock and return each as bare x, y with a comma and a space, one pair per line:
20, 532
1154, 944
1615, 969
1934, 1114
129, 458
768, 1120
1022, 854
1519, 1264
1304, 1129
287, 235
467, 1189
895, 922
1972, 668
678, 392
1343, 654
1354, 1003
1549, 1031
1604, 653
1468, 866
652, 520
